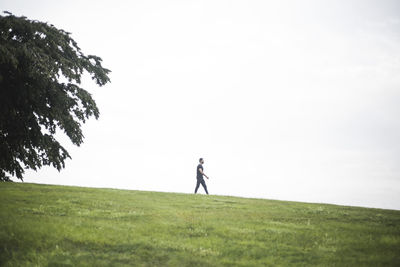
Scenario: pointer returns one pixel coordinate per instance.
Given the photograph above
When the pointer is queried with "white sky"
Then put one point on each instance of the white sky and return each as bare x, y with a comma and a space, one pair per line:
292, 100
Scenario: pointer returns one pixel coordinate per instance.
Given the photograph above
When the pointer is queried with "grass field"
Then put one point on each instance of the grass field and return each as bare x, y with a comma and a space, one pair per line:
43, 225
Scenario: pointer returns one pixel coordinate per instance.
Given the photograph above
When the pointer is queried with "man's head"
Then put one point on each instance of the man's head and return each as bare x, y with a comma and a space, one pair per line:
201, 160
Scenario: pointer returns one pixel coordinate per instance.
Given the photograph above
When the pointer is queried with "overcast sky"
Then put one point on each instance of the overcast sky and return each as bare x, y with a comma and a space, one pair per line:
291, 100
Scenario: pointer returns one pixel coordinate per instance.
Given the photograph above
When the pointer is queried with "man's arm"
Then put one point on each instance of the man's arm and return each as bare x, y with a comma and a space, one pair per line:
201, 171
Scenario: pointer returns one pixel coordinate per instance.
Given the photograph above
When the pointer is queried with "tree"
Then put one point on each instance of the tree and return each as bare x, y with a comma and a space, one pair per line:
40, 76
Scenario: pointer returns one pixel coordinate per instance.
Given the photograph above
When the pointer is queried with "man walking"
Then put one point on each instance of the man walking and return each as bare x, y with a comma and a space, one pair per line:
199, 176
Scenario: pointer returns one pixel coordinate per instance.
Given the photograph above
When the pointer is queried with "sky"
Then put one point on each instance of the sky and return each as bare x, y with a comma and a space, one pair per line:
289, 100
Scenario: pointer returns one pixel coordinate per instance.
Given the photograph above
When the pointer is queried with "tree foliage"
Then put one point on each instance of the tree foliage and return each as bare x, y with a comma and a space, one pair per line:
40, 76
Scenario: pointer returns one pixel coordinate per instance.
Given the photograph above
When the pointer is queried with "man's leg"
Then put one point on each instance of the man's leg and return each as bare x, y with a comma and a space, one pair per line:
197, 186
203, 183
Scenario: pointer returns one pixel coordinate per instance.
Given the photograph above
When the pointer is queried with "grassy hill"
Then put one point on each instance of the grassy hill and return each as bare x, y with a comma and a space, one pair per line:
43, 225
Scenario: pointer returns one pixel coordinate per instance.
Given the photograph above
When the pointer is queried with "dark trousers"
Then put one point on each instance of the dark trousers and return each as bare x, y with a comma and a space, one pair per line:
203, 183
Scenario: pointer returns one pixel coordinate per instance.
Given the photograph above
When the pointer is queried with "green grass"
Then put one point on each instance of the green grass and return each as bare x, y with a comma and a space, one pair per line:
43, 225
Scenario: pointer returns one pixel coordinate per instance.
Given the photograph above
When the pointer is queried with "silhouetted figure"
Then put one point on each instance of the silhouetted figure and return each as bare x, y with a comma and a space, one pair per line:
199, 175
